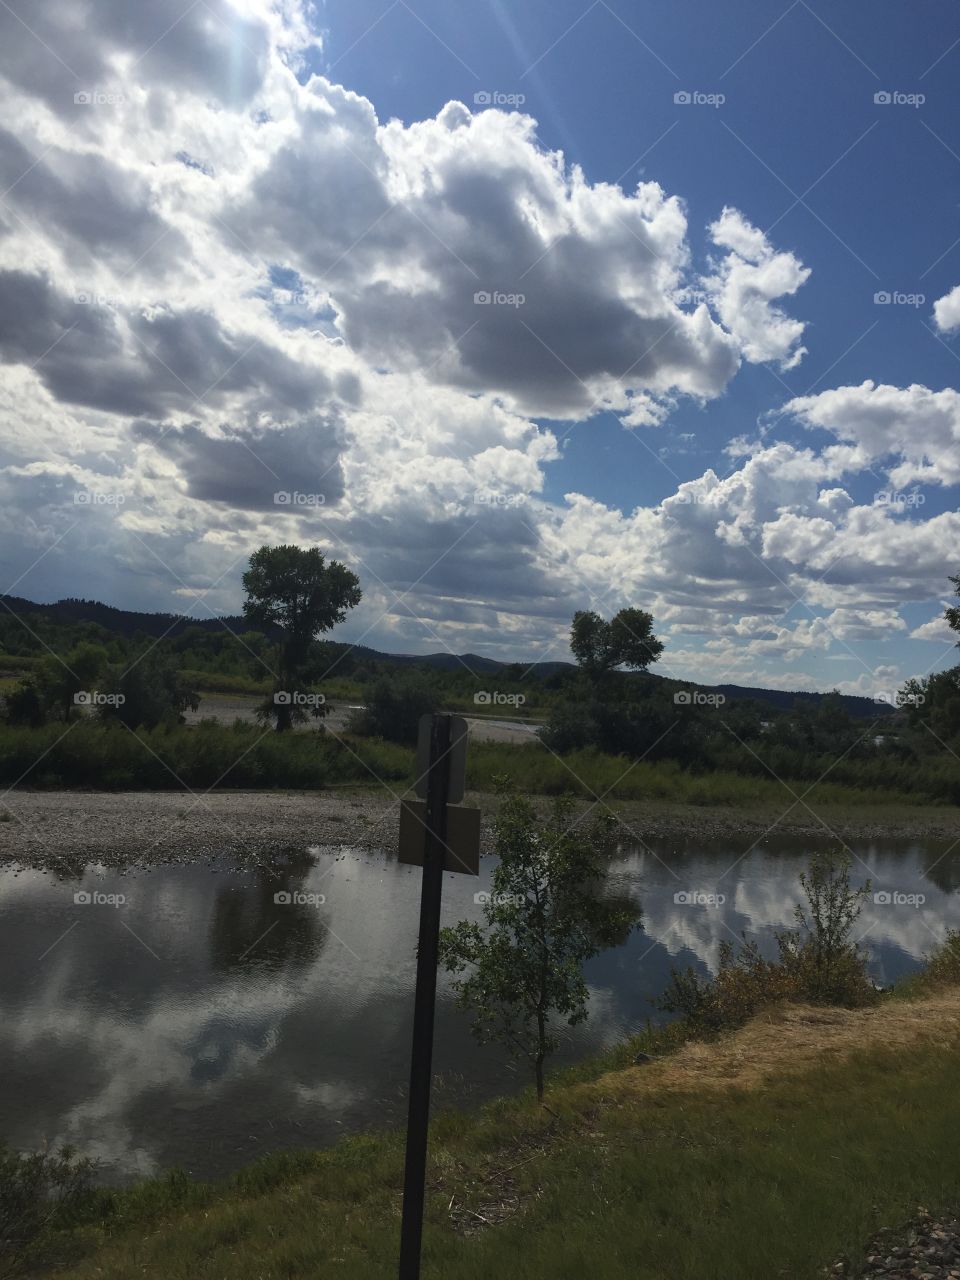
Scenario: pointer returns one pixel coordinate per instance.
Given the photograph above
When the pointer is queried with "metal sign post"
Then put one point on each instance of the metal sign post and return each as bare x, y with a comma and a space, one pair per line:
435, 850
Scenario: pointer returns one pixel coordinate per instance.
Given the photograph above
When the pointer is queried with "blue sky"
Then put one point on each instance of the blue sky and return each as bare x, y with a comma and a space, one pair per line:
314, 263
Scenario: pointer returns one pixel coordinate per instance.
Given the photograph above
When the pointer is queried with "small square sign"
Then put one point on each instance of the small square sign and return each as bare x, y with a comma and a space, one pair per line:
462, 852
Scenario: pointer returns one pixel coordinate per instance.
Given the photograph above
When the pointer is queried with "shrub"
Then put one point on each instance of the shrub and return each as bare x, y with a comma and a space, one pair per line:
148, 692
38, 1193
23, 706
394, 708
943, 966
745, 982
817, 964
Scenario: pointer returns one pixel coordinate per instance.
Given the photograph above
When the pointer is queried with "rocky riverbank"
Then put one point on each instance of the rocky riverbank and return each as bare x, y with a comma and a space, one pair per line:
50, 828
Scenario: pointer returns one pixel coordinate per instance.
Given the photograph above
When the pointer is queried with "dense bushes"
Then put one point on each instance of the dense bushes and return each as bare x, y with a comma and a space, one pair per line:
39, 1193
394, 707
943, 964
817, 963
642, 720
109, 757
114, 758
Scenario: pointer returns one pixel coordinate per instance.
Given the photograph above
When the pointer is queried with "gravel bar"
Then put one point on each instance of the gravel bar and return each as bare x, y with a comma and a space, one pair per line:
124, 829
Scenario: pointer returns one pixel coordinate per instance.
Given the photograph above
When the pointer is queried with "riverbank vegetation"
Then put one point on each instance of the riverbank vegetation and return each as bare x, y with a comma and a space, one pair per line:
93, 756
771, 1150
605, 723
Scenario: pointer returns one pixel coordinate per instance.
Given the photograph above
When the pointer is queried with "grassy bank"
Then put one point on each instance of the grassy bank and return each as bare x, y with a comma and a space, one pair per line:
767, 1153
92, 756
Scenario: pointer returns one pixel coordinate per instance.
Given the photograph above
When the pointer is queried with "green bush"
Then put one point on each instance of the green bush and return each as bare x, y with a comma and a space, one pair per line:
394, 707
38, 1194
816, 964
943, 965
170, 757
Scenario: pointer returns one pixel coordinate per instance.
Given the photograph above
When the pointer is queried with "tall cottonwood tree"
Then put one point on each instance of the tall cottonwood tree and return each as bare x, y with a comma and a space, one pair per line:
627, 640
297, 590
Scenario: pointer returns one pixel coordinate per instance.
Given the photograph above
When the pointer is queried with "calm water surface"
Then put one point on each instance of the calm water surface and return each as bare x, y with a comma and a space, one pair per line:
201, 1023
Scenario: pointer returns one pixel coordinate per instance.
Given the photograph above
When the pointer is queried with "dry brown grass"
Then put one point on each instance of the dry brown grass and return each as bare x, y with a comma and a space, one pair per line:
789, 1040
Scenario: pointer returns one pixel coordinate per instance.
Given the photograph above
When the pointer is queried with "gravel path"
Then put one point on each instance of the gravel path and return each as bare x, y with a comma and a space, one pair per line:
135, 828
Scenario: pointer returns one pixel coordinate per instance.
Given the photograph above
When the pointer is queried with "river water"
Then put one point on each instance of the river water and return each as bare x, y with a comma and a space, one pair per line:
201, 1022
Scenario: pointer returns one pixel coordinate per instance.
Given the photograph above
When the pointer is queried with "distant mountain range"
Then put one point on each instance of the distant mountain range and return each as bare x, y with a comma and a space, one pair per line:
131, 623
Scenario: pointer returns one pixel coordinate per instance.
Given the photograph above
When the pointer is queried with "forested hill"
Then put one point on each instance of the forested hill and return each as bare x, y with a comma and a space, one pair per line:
130, 623
126, 622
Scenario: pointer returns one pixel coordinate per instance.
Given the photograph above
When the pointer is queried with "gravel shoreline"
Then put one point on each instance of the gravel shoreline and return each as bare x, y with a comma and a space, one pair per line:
124, 829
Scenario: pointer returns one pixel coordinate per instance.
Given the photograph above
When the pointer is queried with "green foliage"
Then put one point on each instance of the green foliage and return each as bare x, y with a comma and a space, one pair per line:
942, 967
627, 640
545, 917
168, 757
914, 752
60, 680
394, 707
952, 612
829, 968
293, 588
818, 963
613, 728
23, 706
932, 706
147, 692
38, 1194
52, 688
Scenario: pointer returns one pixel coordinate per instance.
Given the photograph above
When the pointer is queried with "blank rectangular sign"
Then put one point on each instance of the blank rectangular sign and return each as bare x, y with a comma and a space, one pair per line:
457, 756
462, 852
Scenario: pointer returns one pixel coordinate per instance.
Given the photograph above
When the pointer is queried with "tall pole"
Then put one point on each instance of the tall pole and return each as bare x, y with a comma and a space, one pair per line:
421, 1060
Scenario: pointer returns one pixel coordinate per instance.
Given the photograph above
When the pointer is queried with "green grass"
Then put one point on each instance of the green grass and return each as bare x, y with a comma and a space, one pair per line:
741, 1184
337, 688
590, 773
112, 758
109, 758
